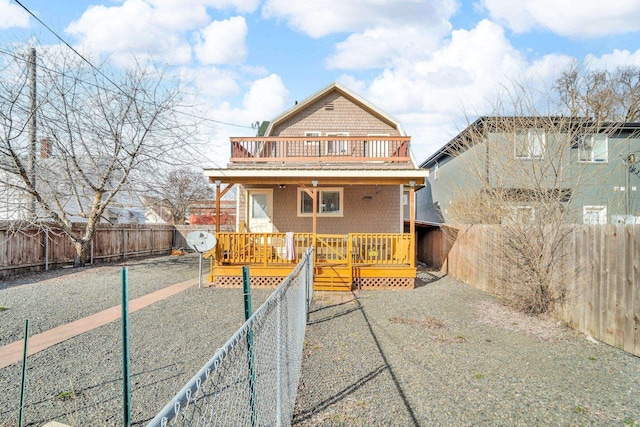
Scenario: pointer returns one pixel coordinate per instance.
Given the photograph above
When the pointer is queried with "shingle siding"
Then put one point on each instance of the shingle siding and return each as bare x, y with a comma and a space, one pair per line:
378, 214
345, 116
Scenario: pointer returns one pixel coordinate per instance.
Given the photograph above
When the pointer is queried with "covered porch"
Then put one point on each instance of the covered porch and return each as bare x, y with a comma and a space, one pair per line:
341, 262
359, 243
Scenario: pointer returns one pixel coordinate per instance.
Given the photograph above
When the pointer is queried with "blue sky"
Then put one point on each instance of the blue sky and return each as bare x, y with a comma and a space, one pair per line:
432, 64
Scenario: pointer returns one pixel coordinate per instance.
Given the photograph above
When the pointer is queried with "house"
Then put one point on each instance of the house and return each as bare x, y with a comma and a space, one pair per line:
332, 172
204, 212
58, 190
586, 167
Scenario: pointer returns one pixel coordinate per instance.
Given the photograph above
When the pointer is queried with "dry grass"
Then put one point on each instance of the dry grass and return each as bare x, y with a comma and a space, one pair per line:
428, 322
499, 315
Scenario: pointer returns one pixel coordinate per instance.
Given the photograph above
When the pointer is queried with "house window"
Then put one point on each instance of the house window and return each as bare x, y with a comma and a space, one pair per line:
529, 144
330, 202
521, 215
593, 148
595, 214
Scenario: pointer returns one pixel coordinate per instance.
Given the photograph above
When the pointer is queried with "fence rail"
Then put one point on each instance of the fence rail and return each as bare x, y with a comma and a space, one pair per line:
28, 248
253, 379
392, 249
599, 268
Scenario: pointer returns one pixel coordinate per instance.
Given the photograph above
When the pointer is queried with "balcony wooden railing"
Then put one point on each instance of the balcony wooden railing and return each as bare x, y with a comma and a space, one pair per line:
379, 249
325, 148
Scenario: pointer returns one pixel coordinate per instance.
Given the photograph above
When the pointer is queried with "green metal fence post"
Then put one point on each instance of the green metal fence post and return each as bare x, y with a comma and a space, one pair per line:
126, 393
24, 371
246, 287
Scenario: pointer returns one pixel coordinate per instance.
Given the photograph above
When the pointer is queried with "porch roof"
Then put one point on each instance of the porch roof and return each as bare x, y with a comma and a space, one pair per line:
323, 176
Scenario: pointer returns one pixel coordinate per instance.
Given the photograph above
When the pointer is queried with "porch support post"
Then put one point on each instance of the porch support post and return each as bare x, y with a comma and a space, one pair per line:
412, 222
218, 196
315, 208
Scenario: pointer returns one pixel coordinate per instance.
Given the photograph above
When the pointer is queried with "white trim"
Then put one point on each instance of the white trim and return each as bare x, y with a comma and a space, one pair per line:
326, 214
269, 193
601, 211
418, 175
530, 135
593, 137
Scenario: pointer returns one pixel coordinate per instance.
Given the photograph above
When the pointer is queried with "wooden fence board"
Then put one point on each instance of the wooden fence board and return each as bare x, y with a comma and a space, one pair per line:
600, 267
38, 248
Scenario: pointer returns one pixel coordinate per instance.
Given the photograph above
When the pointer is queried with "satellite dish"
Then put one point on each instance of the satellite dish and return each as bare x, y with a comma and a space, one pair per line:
201, 241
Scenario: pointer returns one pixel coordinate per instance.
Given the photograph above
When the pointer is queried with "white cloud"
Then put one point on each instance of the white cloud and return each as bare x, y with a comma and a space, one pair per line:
135, 27
435, 96
587, 18
609, 61
379, 47
148, 27
318, 18
223, 42
211, 82
265, 98
12, 16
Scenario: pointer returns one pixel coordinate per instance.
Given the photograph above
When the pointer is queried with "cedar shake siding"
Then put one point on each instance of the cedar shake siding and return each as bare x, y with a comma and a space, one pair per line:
366, 209
334, 113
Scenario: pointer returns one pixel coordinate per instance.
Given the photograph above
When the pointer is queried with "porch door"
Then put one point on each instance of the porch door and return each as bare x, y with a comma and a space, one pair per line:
260, 210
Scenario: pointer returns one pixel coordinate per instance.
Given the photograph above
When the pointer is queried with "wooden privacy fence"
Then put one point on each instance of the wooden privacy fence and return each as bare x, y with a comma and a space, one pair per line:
600, 269
35, 249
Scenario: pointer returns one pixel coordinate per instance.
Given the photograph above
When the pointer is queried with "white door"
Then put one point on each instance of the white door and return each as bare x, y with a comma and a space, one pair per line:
260, 211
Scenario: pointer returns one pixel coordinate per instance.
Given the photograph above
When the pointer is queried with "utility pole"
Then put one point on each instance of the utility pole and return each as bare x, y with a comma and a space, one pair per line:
32, 129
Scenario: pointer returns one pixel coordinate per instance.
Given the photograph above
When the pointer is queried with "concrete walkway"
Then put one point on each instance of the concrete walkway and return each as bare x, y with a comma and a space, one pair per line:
12, 353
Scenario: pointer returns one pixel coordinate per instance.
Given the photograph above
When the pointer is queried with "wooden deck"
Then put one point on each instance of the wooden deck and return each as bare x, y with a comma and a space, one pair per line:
342, 262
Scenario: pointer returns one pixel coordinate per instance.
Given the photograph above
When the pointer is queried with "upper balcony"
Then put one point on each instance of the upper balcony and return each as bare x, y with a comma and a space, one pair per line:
335, 149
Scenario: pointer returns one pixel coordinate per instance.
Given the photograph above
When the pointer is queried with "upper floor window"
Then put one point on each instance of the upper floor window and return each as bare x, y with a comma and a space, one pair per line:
593, 148
329, 202
529, 144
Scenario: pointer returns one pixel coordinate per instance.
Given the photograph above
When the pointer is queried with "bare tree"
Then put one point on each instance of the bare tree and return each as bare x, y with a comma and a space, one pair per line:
517, 177
98, 128
602, 95
178, 189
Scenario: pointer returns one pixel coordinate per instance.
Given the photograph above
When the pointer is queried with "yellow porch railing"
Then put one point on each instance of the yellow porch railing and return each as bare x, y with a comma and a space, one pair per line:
384, 249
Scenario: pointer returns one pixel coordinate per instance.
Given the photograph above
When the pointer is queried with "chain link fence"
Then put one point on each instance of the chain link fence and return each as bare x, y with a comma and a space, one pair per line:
253, 379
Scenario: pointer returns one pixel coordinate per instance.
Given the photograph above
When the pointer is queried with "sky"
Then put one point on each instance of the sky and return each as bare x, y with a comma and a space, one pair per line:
434, 65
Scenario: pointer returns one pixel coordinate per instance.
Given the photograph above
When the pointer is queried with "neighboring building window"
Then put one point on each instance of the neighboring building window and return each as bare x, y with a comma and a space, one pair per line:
593, 148
521, 214
330, 202
595, 214
529, 144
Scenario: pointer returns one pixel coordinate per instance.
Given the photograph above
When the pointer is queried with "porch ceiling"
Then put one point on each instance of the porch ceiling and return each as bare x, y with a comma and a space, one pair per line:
324, 177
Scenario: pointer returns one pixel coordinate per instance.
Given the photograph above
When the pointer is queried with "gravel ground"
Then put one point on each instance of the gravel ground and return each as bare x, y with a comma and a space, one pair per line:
447, 354
78, 382
442, 354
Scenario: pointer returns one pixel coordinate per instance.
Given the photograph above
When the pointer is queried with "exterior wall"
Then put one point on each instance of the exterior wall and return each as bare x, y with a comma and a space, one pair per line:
610, 184
592, 184
381, 213
456, 177
346, 116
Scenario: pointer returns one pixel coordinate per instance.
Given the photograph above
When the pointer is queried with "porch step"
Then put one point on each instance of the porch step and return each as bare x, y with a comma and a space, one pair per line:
329, 277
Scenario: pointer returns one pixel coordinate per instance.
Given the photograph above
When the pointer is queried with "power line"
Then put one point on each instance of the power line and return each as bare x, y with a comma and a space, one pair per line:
104, 75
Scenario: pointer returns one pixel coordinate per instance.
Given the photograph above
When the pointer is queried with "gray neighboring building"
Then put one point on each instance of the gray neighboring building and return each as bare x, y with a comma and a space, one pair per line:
598, 164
